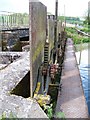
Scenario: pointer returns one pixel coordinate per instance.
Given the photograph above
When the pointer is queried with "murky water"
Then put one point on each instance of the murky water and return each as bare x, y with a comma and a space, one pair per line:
84, 68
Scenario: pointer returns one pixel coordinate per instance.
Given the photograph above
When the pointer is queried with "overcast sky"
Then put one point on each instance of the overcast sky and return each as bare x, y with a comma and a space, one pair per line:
72, 7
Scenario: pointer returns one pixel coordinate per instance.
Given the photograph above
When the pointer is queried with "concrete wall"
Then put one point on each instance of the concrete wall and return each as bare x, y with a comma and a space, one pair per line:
50, 27
37, 33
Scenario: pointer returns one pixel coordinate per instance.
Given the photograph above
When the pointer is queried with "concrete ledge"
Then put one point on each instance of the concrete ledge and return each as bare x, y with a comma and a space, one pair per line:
13, 74
18, 106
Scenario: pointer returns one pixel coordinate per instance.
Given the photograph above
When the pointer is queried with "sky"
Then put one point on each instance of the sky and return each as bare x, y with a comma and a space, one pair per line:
72, 7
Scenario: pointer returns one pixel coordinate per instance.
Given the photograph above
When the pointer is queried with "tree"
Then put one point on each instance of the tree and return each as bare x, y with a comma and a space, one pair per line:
86, 17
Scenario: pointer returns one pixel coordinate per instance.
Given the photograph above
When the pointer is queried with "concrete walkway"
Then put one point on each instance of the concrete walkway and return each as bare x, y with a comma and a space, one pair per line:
71, 99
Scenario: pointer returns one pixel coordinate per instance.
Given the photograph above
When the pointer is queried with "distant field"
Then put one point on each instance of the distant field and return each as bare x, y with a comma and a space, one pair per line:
71, 20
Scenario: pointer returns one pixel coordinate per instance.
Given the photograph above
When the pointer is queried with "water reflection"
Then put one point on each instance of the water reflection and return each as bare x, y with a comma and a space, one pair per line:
84, 68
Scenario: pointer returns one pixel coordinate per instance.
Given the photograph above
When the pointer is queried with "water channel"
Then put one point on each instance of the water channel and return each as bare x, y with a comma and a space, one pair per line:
83, 50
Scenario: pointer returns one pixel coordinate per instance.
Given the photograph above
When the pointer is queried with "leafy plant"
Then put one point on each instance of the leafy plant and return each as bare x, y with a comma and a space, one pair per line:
3, 117
60, 115
77, 39
49, 111
11, 116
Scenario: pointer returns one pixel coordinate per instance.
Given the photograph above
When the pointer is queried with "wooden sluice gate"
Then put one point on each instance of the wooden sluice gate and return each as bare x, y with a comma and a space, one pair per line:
47, 65
46, 47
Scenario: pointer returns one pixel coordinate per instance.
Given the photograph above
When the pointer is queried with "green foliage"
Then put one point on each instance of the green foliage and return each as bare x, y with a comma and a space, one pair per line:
61, 18
77, 39
85, 22
11, 116
49, 111
87, 18
84, 30
71, 32
72, 20
3, 117
60, 115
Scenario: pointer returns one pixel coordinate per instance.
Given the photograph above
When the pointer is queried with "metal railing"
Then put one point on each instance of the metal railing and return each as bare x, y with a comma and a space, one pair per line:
9, 20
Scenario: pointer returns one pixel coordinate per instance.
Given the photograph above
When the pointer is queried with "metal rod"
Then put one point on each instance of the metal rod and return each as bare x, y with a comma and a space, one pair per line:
56, 16
30, 53
47, 83
64, 16
31, 80
80, 54
56, 9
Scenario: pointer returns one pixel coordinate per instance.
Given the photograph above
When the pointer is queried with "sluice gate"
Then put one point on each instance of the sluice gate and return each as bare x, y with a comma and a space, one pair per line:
36, 72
